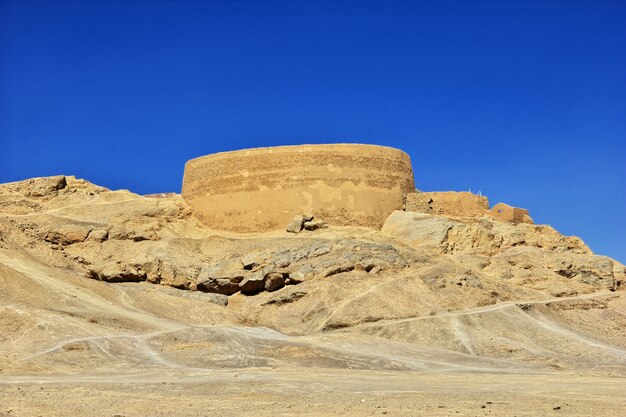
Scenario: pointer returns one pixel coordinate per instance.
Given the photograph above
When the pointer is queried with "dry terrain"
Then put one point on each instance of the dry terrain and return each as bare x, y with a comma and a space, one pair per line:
115, 304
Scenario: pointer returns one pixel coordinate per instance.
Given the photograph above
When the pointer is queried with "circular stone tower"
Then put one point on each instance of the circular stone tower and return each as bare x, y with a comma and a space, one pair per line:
256, 190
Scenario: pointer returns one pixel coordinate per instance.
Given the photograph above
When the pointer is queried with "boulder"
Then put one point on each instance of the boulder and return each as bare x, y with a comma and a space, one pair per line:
222, 278
223, 286
68, 233
252, 261
314, 225
98, 235
274, 281
418, 228
117, 272
253, 284
297, 223
41, 187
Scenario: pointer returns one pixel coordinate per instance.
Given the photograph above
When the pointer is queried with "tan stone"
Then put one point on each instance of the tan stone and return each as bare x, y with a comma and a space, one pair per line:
447, 203
362, 309
507, 213
263, 189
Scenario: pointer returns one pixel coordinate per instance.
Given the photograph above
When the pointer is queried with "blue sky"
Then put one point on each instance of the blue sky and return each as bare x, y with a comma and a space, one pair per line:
524, 101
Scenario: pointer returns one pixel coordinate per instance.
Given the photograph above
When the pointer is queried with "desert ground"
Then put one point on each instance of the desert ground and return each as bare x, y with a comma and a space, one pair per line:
116, 304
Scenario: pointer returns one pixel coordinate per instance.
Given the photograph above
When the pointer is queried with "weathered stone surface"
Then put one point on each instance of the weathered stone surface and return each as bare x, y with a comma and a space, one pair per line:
41, 187
252, 261
135, 233
223, 286
447, 203
262, 189
98, 235
337, 269
417, 227
428, 286
222, 278
507, 213
68, 233
484, 236
314, 225
295, 225
274, 281
117, 272
253, 284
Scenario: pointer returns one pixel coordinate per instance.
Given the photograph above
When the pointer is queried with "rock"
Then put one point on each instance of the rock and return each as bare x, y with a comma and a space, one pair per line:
375, 270
252, 261
286, 298
295, 225
253, 284
220, 279
176, 275
219, 285
41, 187
98, 235
369, 265
219, 299
117, 272
274, 281
314, 225
485, 236
418, 228
597, 271
506, 213
336, 269
295, 278
68, 233
136, 233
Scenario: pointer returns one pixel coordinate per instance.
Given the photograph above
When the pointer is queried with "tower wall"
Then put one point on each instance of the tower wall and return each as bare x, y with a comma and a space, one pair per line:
261, 189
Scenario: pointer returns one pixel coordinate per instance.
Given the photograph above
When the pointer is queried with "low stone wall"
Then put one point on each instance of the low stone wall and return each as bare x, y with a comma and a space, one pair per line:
507, 213
447, 203
262, 189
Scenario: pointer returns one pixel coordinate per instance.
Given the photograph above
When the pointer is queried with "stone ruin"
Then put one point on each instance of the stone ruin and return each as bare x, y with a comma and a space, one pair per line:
263, 189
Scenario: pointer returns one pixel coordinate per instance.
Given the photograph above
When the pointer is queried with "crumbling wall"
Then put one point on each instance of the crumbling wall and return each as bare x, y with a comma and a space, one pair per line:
262, 189
507, 213
447, 203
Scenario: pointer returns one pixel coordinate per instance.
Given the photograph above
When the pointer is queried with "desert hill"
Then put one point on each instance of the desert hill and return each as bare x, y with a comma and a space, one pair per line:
116, 288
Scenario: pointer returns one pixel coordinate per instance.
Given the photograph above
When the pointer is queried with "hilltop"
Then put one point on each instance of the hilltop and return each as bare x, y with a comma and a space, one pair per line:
104, 290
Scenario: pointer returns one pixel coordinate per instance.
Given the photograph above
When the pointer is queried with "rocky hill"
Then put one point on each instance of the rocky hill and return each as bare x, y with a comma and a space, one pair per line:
98, 283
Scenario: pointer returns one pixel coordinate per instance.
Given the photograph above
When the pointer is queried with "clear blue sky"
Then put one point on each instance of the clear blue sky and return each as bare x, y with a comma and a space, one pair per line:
524, 101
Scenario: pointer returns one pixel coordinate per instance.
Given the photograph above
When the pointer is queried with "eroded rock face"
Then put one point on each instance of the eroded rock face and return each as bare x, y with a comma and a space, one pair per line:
521, 250
486, 235
305, 222
117, 236
270, 270
41, 187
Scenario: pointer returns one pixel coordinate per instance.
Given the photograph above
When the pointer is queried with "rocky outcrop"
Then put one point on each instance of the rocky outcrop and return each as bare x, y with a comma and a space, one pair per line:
305, 222
485, 236
41, 187
418, 227
522, 248
297, 223
118, 236
117, 272
270, 270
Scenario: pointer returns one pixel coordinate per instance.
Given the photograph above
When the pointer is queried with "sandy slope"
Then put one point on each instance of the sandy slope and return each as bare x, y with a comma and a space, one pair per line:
437, 328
